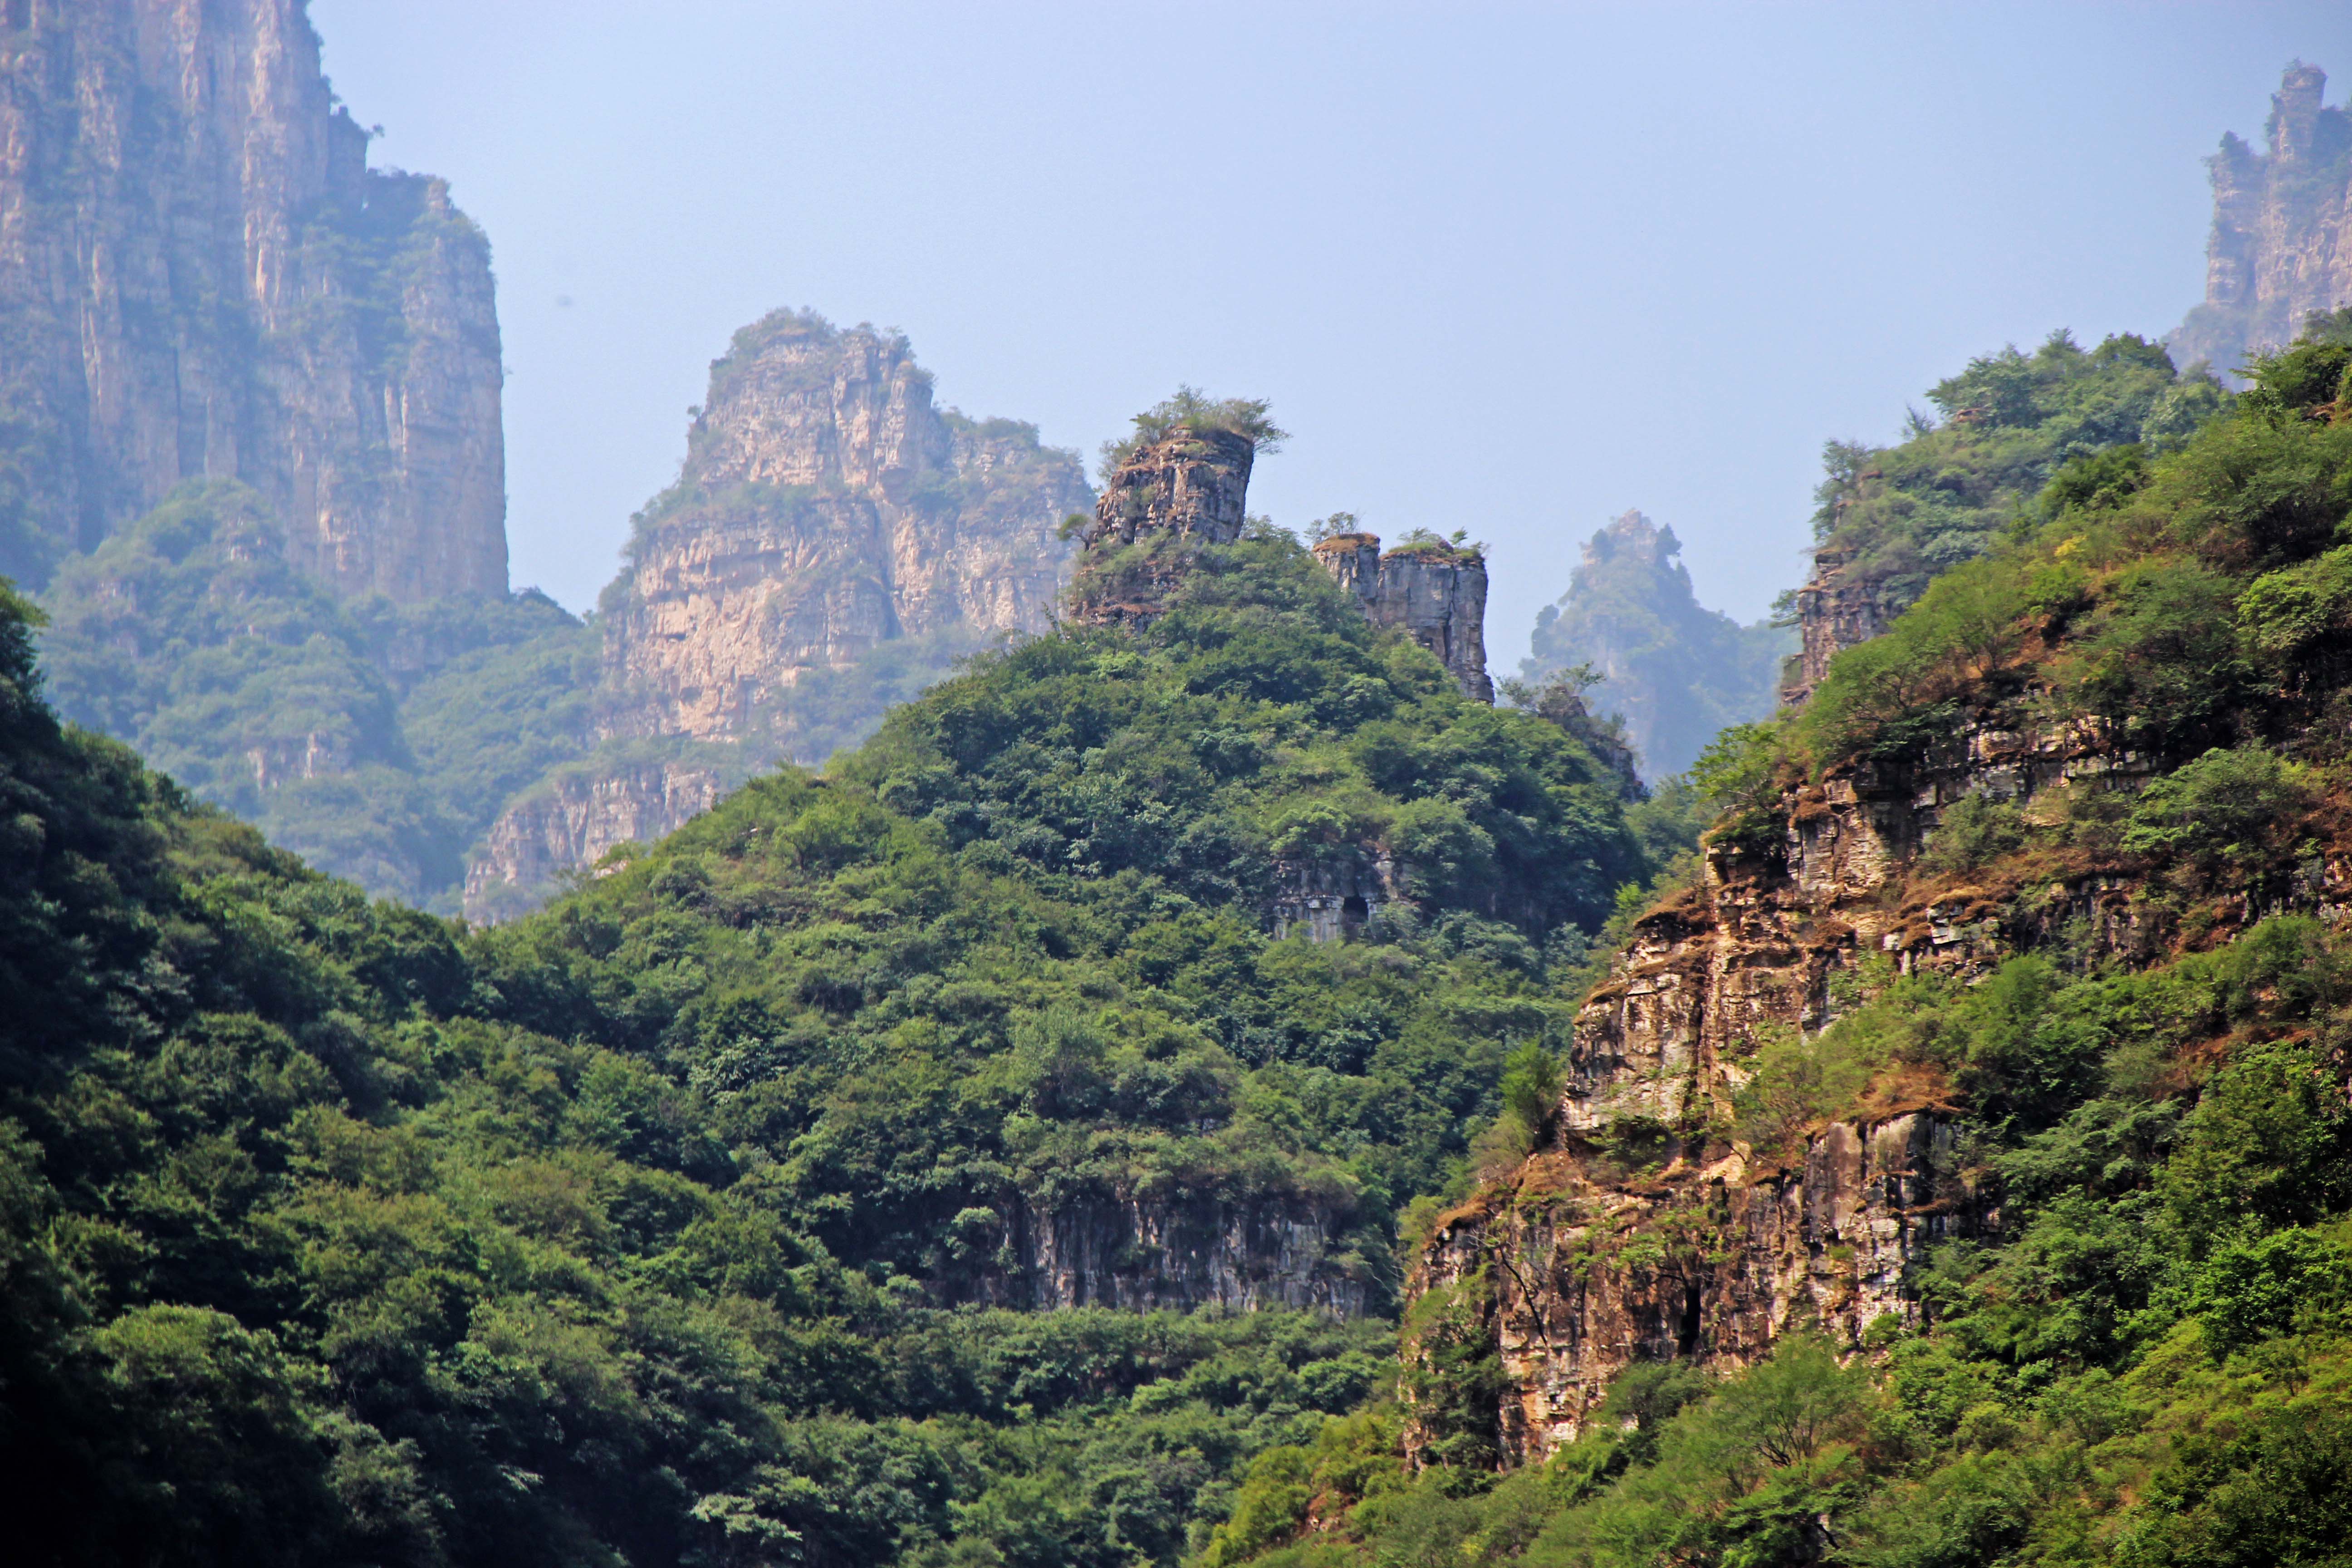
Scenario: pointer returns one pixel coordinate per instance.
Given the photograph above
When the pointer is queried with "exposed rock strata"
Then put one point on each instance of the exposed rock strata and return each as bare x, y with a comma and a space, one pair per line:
2281, 245
1189, 488
200, 277
825, 508
1435, 593
1587, 1266
1146, 1258
574, 820
1578, 1287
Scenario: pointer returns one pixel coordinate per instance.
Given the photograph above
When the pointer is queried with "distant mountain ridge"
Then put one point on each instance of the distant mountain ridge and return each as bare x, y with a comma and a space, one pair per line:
1676, 670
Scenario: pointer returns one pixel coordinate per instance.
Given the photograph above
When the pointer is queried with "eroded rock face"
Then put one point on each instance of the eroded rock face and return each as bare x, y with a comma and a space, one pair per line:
574, 820
1436, 594
201, 279
826, 507
1189, 488
2281, 245
1629, 1241
1147, 1257
1582, 1284
1834, 611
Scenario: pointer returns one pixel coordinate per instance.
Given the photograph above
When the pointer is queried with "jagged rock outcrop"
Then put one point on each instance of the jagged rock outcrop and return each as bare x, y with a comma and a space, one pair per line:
1433, 591
1835, 612
1635, 1237
1590, 1278
574, 820
825, 508
1332, 900
2281, 245
1147, 1257
1678, 672
201, 278
1188, 489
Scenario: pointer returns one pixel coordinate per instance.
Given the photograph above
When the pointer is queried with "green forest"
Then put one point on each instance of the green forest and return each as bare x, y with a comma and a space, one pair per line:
704, 1217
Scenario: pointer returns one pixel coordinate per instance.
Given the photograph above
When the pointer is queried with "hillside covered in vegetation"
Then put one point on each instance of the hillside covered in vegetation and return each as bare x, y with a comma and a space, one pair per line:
692, 1220
2039, 898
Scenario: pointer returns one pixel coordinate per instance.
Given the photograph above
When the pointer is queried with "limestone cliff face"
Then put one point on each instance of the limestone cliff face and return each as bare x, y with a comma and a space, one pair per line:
2281, 240
1631, 1239
1188, 489
573, 820
825, 507
1835, 611
201, 278
1435, 592
1144, 1257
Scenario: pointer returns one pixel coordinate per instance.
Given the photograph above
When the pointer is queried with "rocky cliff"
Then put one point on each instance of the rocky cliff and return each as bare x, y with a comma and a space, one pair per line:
1433, 591
1154, 1257
1648, 1230
826, 510
2281, 245
825, 507
1187, 488
200, 277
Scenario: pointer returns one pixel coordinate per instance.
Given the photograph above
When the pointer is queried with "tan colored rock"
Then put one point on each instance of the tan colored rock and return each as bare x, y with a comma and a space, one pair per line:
1714, 1254
2281, 245
200, 277
1435, 592
574, 820
1172, 496
825, 507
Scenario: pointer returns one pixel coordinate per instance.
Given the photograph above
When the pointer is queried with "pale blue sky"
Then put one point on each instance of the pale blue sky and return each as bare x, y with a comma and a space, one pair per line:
1512, 268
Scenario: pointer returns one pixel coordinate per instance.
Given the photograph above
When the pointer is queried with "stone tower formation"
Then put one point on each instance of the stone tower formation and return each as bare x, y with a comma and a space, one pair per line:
2281, 245
200, 277
1191, 488
826, 507
1435, 593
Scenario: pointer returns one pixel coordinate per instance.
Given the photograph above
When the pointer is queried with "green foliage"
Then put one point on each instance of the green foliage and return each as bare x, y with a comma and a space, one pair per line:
2240, 809
310, 1252
1898, 517
1192, 409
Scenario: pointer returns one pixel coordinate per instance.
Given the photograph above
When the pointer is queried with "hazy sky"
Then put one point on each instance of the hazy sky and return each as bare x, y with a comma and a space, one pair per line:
1512, 268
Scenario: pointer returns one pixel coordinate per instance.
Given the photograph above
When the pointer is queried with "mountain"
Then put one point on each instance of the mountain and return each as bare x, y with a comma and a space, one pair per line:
201, 279
1954, 1165
1675, 671
707, 1216
1890, 519
833, 543
2281, 244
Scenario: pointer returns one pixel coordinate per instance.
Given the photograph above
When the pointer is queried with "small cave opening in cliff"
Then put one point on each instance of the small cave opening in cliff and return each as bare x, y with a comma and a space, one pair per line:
1686, 1331
1354, 913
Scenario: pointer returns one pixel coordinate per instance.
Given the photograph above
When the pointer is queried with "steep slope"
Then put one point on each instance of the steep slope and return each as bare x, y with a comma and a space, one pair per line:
1891, 517
1676, 672
1955, 1168
834, 542
378, 739
318, 1241
2282, 243
200, 277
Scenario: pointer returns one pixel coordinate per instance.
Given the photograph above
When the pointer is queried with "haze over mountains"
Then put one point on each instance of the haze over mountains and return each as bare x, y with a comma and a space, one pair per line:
1193, 1080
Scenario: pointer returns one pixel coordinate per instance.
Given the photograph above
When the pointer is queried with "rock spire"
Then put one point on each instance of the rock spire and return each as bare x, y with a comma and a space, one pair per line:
2281, 245
1433, 590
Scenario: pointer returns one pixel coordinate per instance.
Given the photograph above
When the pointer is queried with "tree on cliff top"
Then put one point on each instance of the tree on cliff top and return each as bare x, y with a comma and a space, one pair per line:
1192, 409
